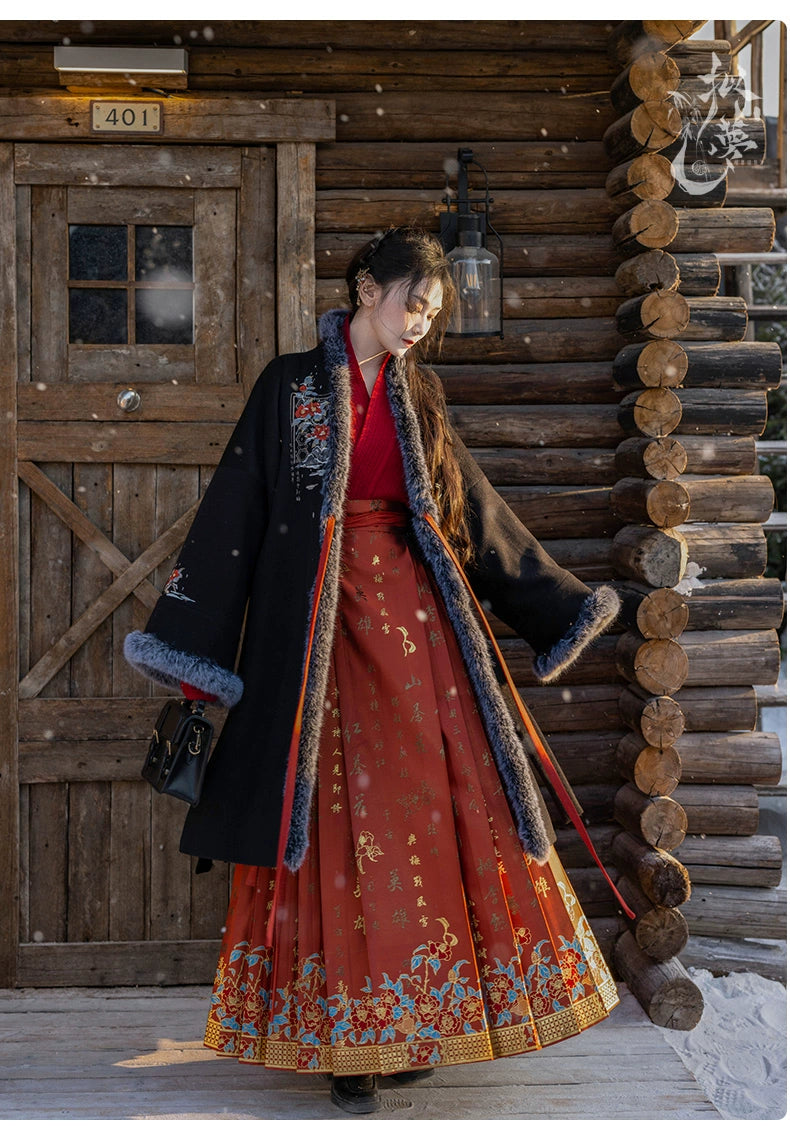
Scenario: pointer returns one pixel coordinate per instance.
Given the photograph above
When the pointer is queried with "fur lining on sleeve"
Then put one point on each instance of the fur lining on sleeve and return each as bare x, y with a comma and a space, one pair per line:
596, 614
168, 666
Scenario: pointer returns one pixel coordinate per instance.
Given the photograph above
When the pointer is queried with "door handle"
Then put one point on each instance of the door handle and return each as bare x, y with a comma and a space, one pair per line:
128, 400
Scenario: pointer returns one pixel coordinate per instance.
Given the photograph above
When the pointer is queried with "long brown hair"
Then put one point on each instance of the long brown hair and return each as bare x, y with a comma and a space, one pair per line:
411, 253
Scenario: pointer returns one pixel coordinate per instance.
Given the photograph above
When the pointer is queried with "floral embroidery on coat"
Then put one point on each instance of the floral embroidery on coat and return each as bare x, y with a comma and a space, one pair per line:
309, 431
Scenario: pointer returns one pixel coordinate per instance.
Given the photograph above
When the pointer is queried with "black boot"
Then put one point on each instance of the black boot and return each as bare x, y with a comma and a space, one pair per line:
356, 1094
412, 1076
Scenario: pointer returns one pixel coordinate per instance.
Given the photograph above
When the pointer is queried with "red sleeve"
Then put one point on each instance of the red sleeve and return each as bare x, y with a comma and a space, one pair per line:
195, 693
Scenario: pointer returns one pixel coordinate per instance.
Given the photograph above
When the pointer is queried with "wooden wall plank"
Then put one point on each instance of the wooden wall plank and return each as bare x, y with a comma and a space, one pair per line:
296, 207
48, 862
210, 894
215, 286
170, 885
49, 299
118, 963
157, 166
584, 211
125, 205
80, 719
97, 402
571, 382
129, 858
23, 274
433, 35
24, 578
84, 761
88, 865
549, 164
497, 115
24, 864
127, 365
189, 118
544, 425
255, 264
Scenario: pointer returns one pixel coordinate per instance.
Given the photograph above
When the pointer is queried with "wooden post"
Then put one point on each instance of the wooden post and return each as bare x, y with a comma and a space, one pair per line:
296, 328
255, 264
9, 596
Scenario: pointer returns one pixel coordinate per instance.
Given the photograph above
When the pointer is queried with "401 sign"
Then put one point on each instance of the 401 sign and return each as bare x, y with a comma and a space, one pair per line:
133, 117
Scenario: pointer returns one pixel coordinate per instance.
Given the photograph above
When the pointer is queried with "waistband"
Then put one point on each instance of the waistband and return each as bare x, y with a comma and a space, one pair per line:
375, 513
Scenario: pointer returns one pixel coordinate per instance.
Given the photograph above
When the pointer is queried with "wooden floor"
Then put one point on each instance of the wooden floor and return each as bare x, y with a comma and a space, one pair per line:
137, 1054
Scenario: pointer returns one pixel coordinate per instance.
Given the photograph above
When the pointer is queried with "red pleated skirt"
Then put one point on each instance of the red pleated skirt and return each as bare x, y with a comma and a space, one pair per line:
416, 933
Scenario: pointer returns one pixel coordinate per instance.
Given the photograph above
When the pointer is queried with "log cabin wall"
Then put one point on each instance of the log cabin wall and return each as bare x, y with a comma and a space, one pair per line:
690, 503
589, 469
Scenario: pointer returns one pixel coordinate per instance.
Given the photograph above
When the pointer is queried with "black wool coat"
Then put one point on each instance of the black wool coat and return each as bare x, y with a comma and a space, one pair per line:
270, 520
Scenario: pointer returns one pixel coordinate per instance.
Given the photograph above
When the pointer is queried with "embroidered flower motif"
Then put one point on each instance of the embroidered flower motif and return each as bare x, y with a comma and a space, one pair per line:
570, 961
555, 986
309, 430
423, 1054
541, 1005
173, 585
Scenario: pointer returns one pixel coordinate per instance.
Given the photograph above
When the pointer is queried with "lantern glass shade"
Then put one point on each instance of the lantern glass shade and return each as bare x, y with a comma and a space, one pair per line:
476, 275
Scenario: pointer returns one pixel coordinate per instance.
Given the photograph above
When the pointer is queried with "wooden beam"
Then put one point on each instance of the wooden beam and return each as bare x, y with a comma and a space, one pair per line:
9, 592
101, 963
189, 118
747, 33
83, 528
401, 35
159, 165
64, 648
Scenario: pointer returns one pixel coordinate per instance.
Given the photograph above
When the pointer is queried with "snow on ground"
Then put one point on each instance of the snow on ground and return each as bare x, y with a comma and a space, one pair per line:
738, 1051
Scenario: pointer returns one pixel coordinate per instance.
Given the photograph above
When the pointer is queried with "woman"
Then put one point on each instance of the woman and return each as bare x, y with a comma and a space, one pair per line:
397, 904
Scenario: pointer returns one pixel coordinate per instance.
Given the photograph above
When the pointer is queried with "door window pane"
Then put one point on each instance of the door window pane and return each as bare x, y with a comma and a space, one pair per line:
97, 253
162, 284
97, 316
163, 316
163, 253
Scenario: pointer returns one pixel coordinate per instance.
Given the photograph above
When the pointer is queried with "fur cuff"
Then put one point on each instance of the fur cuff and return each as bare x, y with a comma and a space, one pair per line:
169, 667
596, 614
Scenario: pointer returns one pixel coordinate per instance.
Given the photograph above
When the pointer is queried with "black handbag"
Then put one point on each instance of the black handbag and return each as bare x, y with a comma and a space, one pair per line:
178, 752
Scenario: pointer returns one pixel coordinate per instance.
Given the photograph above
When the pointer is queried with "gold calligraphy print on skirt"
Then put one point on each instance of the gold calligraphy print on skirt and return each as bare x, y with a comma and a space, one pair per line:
416, 933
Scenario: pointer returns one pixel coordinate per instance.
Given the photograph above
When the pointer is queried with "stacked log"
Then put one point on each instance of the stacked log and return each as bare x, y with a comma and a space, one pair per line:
699, 617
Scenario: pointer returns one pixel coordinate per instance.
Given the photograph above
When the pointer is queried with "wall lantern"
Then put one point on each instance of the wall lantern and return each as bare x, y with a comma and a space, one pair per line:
121, 66
476, 270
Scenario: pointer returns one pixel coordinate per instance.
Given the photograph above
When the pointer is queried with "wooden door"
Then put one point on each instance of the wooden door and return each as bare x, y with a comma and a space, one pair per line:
145, 298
